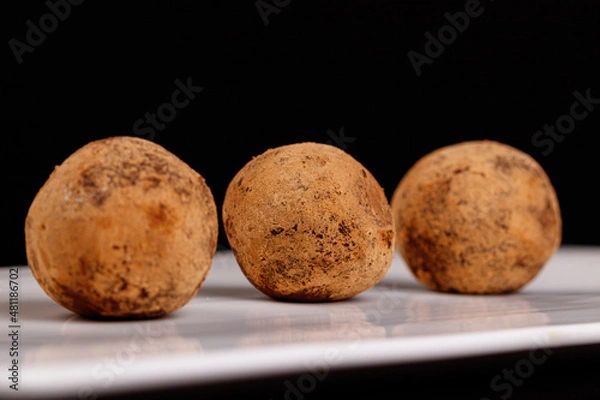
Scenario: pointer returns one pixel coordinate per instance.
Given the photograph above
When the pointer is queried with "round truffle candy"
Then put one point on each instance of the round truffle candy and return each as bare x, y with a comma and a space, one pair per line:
476, 217
123, 228
308, 222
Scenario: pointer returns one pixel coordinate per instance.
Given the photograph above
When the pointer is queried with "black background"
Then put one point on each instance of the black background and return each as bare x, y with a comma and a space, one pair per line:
317, 67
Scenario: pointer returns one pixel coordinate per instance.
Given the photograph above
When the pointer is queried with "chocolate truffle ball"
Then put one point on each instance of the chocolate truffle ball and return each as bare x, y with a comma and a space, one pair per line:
476, 217
308, 222
123, 228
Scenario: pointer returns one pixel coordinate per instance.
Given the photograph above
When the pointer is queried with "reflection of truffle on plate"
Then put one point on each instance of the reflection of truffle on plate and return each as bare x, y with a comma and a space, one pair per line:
120, 346
122, 229
451, 313
476, 217
308, 222
339, 324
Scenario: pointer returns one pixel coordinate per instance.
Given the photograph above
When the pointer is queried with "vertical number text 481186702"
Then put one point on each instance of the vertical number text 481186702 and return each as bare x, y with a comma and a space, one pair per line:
13, 328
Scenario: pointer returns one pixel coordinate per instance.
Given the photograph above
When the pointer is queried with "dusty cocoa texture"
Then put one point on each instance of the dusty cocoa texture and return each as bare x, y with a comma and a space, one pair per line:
476, 217
122, 229
308, 222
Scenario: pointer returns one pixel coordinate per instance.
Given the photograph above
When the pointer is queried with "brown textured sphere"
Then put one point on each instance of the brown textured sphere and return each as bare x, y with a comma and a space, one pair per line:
476, 217
122, 229
308, 222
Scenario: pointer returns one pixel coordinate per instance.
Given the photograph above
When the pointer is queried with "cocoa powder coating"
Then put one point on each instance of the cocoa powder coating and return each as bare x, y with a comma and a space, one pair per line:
122, 229
476, 217
307, 222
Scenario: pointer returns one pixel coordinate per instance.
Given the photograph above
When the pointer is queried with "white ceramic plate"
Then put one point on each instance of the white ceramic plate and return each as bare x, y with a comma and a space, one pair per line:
232, 331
